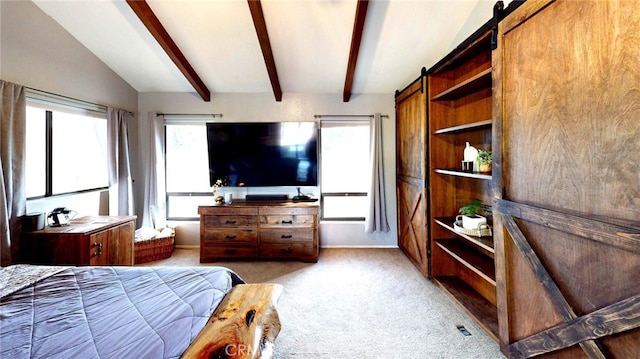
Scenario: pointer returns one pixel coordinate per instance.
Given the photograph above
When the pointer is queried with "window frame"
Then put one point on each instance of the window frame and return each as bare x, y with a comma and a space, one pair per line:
188, 120
49, 103
324, 195
181, 120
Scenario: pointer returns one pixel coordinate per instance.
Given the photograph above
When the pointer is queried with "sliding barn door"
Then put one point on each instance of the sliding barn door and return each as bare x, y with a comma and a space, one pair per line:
567, 179
411, 147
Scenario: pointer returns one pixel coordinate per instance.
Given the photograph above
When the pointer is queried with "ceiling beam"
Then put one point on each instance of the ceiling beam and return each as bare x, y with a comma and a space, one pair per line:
263, 37
356, 37
151, 22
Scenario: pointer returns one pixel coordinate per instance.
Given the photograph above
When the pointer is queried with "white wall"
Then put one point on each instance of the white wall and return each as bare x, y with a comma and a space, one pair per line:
293, 107
40, 54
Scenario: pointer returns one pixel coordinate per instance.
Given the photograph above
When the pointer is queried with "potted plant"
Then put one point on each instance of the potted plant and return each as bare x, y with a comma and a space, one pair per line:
469, 215
484, 161
220, 182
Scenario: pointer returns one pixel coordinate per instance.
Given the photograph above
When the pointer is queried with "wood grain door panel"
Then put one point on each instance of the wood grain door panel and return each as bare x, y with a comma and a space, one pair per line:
412, 231
566, 193
411, 167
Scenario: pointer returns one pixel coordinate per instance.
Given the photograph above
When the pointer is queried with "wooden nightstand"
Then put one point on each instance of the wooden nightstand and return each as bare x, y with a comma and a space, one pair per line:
93, 240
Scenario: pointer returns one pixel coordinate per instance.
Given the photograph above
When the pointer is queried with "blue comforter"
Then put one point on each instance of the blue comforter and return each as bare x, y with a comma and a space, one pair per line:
112, 312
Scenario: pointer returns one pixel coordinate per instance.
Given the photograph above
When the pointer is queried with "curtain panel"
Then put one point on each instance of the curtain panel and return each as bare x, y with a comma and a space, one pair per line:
376, 219
120, 181
13, 200
154, 208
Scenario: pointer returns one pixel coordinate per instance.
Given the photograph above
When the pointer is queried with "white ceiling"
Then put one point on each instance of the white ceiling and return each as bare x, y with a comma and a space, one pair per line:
310, 42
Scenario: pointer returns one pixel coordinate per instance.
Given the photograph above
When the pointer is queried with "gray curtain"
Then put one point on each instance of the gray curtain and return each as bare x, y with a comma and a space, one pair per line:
376, 220
13, 199
154, 202
120, 181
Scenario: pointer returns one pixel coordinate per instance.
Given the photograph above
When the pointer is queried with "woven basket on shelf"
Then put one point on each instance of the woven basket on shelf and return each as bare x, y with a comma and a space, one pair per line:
483, 230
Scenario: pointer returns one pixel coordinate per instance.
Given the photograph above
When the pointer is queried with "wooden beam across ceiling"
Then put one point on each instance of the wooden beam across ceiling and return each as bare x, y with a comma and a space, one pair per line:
263, 37
153, 24
356, 38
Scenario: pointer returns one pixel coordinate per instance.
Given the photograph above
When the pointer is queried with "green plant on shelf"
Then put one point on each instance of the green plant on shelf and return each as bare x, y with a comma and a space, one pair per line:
472, 208
484, 157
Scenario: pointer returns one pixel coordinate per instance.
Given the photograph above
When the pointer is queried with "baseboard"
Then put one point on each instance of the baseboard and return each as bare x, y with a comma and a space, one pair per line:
363, 247
187, 246
195, 246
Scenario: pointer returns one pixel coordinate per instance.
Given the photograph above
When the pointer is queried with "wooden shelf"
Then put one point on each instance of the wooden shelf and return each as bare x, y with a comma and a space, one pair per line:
479, 263
485, 243
459, 173
475, 83
464, 52
465, 127
480, 309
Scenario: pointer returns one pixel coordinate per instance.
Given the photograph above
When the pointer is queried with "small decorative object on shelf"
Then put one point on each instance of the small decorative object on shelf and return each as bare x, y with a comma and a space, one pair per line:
484, 161
219, 199
470, 156
469, 217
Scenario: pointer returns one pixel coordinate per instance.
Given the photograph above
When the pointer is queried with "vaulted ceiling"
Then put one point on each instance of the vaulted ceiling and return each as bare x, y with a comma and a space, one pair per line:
343, 47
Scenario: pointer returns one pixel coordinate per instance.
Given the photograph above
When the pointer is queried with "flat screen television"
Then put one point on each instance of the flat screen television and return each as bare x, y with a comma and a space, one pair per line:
261, 154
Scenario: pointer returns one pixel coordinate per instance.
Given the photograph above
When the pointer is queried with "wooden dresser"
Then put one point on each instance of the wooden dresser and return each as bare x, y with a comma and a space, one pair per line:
93, 240
259, 230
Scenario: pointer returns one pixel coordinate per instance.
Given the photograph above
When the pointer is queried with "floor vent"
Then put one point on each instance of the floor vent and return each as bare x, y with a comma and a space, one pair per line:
464, 331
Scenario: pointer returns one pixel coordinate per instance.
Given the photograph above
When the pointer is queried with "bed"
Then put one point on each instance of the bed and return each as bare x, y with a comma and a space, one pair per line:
134, 312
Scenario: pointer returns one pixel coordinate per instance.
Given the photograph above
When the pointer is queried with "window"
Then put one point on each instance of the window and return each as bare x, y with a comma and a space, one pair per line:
344, 152
66, 149
187, 169
345, 173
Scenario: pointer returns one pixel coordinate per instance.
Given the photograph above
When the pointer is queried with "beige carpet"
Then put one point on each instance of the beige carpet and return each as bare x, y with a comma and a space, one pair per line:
359, 303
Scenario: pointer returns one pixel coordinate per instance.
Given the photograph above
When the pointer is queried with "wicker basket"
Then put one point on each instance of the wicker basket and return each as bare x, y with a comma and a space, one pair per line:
153, 249
483, 230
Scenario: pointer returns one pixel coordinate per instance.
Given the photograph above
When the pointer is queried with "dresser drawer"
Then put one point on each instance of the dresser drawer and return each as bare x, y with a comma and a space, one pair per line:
293, 250
287, 221
284, 236
228, 251
230, 235
244, 229
229, 221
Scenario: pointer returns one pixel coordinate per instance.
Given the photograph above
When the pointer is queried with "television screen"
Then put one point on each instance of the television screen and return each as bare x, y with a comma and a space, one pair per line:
261, 154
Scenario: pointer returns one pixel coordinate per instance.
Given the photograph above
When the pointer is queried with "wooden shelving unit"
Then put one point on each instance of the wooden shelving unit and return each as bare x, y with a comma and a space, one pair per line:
453, 172
471, 302
465, 127
459, 94
485, 244
475, 83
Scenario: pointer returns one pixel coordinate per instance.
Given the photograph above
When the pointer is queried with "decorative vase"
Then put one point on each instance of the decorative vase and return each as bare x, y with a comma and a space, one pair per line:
470, 153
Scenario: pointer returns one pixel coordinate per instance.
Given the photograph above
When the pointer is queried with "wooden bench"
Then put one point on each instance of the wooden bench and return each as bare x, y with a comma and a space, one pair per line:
245, 325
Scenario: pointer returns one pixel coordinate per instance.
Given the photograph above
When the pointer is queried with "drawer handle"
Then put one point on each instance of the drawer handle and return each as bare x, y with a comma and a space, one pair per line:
286, 222
229, 251
99, 251
230, 237
286, 236
286, 251
230, 222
